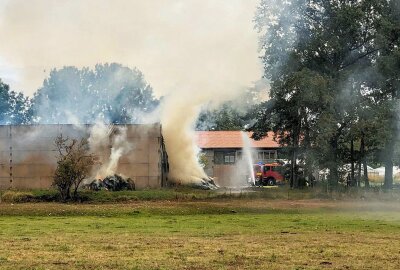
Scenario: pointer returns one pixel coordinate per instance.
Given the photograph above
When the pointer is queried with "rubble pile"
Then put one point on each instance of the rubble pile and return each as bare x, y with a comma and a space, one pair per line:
113, 183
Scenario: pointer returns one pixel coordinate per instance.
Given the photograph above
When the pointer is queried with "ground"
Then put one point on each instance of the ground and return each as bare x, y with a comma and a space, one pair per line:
222, 233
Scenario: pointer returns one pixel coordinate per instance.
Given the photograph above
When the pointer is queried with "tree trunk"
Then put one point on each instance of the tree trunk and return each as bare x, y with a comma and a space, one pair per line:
359, 169
390, 144
388, 184
65, 193
293, 174
309, 172
333, 167
296, 177
75, 193
364, 161
293, 168
352, 178
308, 158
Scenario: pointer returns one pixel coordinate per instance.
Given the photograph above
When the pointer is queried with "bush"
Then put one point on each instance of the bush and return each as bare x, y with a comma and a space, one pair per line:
73, 165
16, 196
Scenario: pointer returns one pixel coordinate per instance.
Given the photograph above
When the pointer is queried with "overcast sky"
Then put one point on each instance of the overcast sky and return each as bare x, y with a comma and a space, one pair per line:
174, 43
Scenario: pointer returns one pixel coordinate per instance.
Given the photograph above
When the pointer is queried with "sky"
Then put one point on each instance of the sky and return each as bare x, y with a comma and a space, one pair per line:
175, 43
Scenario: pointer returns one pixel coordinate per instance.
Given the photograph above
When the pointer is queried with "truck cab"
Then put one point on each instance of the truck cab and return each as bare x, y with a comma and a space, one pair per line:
269, 174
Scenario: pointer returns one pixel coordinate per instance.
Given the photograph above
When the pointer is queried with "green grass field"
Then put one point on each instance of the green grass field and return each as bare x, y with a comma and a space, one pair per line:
230, 233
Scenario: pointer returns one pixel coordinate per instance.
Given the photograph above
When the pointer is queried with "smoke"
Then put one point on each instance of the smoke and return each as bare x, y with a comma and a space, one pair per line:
218, 78
110, 92
180, 112
193, 52
164, 39
120, 146
99, 141
178, 131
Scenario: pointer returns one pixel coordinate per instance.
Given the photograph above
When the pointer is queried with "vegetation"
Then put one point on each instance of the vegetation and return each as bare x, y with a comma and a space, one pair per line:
228, 234
231, 115
334, 73
225, 117
186, 194
73, 166
333, 68
14, 107
110, 92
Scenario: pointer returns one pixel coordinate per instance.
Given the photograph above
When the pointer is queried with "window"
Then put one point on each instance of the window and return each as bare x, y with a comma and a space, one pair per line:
224, 157
278, 169
229, 158
266, 155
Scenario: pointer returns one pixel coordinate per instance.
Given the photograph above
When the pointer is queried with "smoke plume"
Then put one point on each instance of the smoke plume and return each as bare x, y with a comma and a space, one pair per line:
192, 52
100, 138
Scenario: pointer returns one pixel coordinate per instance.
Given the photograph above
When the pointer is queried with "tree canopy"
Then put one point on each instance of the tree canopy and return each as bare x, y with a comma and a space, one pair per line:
334, 73
110, 92
14, 107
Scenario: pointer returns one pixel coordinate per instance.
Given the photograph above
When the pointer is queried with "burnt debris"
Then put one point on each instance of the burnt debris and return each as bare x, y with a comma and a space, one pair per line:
113, 183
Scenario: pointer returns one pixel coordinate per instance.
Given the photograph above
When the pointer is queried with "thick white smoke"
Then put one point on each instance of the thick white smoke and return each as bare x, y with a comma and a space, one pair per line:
191, 51
223, 80
100, 140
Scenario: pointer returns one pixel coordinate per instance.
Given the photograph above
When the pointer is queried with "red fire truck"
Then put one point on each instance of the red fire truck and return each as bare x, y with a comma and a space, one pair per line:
269, 174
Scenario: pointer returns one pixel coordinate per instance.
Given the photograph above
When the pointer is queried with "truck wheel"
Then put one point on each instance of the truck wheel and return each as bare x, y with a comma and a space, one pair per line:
271, 182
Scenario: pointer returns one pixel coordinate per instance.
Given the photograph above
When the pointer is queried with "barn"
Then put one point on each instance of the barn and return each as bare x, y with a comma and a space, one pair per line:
28, 153
223, 154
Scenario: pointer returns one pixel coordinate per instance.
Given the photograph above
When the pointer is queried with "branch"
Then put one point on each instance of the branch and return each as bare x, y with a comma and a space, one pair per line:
358, 58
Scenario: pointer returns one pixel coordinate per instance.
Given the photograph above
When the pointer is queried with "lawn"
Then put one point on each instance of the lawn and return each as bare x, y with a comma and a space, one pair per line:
228, 233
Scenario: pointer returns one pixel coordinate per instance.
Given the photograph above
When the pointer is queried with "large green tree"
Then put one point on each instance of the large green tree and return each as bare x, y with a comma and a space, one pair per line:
14, 107
388, 67
236, 114
111, 92
321, 49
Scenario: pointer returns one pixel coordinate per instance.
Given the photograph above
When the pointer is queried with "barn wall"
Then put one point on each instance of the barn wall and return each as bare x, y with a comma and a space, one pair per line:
28, 154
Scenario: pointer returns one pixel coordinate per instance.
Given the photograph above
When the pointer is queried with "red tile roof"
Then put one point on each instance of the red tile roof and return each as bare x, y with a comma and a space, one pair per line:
231, 139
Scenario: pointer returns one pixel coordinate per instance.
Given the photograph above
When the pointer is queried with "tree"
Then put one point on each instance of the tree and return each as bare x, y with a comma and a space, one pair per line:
235, 114
388, 66
323, 43
14, 107
226, 117
73, 166
111, 92
295, 105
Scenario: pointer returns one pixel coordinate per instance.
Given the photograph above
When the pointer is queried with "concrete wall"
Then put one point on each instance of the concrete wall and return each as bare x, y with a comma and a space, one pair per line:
28, 154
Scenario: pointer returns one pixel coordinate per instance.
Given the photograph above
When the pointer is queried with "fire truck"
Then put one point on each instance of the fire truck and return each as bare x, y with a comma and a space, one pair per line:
269, 174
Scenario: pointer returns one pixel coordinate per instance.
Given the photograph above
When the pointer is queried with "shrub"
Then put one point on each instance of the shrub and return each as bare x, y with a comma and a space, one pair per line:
73, 165
16, 196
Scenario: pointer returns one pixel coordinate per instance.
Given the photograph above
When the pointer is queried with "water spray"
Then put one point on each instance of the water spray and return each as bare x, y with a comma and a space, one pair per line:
247, 155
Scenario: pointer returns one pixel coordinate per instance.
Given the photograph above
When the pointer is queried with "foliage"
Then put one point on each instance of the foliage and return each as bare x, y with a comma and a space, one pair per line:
111, 92
226, 117
203, 161
73, 166
14, 107
231, 115
329, 63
